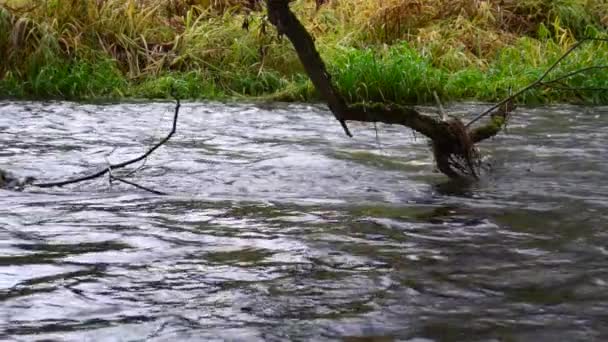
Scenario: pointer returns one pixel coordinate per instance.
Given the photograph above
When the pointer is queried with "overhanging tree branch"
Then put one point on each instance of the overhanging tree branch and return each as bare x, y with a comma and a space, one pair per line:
449, 137
288, 24
453, 142
539, 81
573, 73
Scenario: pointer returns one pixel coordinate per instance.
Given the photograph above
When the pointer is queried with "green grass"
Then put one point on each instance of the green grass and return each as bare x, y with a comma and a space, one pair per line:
73, 80
400, 50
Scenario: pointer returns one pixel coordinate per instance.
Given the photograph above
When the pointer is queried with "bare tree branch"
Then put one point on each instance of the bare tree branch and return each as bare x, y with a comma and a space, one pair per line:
449, 137
573, 73
119, 165
566, 88
537, 82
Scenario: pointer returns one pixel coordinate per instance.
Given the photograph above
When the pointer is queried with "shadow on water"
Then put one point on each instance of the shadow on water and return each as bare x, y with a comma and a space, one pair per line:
279, 228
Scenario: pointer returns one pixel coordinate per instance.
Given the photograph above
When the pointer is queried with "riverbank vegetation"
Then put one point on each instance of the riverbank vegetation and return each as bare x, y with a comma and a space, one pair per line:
386, 50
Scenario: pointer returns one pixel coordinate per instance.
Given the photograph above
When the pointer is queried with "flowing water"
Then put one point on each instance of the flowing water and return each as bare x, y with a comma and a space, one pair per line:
278, 227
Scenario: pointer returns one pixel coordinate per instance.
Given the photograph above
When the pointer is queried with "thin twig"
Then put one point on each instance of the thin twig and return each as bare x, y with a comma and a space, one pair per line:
576, 88
115, 178
137, 169
119, 165
442, 112
538, 81
575, 72
561, 85
377, 136
156, 192
143, 164
109, 173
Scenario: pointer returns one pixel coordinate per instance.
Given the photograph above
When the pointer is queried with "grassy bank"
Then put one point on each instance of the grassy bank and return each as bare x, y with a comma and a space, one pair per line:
392, 50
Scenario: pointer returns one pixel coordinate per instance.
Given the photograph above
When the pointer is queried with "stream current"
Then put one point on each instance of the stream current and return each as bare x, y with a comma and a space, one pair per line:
278, 227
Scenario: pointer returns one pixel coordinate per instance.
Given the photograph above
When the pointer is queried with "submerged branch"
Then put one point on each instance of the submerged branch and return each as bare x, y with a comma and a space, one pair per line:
119, 165
122, 180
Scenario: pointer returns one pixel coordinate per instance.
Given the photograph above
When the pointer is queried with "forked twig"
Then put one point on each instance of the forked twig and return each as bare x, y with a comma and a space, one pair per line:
112, 178
119, 165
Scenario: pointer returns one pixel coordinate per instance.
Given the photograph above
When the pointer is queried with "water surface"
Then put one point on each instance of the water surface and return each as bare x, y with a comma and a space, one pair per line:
278, 227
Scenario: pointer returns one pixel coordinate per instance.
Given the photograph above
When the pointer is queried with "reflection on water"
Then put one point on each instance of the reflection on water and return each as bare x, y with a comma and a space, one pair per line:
281, 228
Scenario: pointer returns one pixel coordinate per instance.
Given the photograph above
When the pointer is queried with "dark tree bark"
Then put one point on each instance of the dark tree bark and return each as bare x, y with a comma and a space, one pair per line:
451, 139
288, 24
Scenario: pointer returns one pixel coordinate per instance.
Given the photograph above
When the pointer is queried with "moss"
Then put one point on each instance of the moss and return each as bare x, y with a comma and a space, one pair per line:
489, 129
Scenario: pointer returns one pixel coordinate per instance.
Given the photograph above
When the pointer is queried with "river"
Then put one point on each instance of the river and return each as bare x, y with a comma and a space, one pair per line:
279, 227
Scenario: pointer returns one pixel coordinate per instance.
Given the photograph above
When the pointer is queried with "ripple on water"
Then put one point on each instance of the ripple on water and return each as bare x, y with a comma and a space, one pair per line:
280, 228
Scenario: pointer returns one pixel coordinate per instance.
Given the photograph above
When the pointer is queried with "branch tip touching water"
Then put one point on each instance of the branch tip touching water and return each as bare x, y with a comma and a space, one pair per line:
122, 164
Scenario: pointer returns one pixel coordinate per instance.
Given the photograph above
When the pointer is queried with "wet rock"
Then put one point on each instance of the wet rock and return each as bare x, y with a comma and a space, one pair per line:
12, 182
